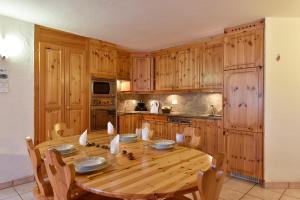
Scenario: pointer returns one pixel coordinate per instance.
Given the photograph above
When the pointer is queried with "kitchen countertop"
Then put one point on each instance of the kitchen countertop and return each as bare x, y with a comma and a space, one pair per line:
174, 114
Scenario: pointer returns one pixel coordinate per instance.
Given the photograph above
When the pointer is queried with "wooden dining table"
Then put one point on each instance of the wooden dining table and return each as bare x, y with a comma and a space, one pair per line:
152, 174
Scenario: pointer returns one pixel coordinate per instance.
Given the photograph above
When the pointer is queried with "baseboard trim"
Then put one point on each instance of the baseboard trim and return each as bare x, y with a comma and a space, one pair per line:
16, 182
282, 185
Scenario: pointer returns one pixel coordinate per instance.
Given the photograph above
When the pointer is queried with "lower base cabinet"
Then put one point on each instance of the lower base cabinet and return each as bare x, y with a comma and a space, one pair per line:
245, 153
129, 123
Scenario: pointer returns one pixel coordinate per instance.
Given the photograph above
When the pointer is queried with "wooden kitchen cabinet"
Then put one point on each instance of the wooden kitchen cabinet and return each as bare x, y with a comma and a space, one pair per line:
76, 90
63, 89
102, 59
164, 71
142, 73
128, 123
243, 99
187, 68
123, 65
212, 69
244, 46
245, 153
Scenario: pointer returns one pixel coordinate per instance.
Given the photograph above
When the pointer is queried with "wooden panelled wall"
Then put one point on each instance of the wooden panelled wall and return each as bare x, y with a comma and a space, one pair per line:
231, 63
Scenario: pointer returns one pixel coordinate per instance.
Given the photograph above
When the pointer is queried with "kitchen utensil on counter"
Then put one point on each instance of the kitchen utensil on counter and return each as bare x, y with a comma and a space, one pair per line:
140, 106
166, 109
154, 106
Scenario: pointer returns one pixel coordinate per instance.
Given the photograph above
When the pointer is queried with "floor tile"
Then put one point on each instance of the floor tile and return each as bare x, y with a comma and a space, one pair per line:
293, 193
249, 197
24, 188
8, 193
228, 194
27, 196
14, 198
284, 197
238, 185
266, 194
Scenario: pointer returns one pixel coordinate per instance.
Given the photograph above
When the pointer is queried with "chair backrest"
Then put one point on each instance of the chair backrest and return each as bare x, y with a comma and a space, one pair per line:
191, 139
38, 168
210, 182
60, 130
61, 175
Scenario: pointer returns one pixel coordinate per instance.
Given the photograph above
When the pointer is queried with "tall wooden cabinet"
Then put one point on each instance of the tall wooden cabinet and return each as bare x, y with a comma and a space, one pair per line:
164, 71
243, 99
60, 82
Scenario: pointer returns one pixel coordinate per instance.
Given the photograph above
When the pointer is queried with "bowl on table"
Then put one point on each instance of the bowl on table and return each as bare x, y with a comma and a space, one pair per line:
131, 137
65, 149
89, 164
163, 144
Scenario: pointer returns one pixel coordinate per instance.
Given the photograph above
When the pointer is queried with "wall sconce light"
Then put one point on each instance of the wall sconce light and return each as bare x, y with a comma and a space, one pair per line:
10, 46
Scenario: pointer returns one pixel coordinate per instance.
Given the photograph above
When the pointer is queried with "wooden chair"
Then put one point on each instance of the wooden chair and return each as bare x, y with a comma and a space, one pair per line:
210, 182
44, 189
60, 130
190, 138
62, 177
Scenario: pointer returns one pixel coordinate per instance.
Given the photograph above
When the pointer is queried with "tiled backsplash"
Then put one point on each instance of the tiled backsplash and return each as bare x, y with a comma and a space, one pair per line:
191, 103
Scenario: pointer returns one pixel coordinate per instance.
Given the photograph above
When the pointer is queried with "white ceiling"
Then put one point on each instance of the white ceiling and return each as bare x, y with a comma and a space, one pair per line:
145, 25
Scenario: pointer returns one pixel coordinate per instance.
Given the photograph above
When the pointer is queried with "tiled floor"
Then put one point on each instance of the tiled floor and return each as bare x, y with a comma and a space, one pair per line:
233, 189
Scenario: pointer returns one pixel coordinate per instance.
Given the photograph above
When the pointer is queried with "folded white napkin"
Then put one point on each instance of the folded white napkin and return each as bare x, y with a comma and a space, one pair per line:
145, 134
110, 128
114, 145
83, 138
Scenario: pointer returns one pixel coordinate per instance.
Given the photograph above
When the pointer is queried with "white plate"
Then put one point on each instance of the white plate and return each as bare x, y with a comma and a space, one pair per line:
163, 143
83, 171
64, 148
163, 147
128, 138
89, 163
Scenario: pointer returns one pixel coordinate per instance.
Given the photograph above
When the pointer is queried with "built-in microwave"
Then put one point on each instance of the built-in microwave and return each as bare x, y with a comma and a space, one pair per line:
103, 87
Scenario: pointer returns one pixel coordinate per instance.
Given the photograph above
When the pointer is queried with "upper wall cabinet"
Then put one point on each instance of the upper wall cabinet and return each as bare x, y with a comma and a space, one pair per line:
244, 46
142, 73
103, 59
123, 65
187, 68
212, 70
165, 71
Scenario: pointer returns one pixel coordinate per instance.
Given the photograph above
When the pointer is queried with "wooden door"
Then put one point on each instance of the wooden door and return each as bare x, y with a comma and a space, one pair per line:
99, 119
51, 87
123, 66
141, 73
243, 99
164, 72
244, 50
188, 64
76, 90
245, 153
212, 70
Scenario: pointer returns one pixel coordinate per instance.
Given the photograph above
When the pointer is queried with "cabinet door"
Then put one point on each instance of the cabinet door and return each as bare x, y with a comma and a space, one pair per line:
76, 90
123, 66
164, 72
141, 73
187, 73
51, 87
129, 123
211, 138
212, 70
103, 61
245, 153
243, 99
244, 50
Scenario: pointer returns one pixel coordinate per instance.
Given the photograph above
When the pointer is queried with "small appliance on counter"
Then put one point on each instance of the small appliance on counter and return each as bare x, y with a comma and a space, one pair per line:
140, 106
154, 106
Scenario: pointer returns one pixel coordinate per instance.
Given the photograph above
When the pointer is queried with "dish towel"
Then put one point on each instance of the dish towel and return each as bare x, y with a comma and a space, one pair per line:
110, 128
83, 138
114, 145
145, 134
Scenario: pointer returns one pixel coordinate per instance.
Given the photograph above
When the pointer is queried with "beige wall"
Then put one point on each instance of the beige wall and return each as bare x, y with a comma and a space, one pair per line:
16, 106
282, 100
